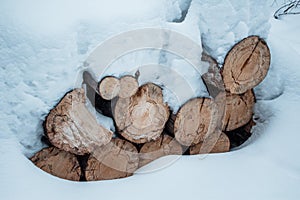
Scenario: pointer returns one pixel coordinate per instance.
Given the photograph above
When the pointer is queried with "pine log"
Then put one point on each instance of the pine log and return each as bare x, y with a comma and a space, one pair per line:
109, 87
71, 127
222, 144
142, 117
246, 65
193, 120
164, 145
58, 163
118, 159
128, 86
238, 110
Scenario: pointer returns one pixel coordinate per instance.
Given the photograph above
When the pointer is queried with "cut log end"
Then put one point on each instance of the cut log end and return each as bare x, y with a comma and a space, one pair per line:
71, 127
246, 65
109, 87
118, 159
128, 86
58, 163
164, 145
142, 117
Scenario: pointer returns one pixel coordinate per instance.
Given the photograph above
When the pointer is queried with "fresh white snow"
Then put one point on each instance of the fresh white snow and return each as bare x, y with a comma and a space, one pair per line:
43, 46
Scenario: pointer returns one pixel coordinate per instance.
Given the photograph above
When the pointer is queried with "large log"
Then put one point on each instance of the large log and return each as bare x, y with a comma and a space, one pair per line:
164, 145
118, 159
246, 65
220, 145
238, 110
58, 163
71, 127
142, 117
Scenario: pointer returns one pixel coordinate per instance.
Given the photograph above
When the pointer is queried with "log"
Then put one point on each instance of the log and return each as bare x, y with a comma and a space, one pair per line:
193, 120
58, 163
238, 110
142, 117
164, 145
71, 127
128, 86
109, 87
118, 159
222, 144
246, 65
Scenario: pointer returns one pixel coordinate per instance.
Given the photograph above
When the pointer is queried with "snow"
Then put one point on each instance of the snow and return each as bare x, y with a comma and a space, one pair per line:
42, 50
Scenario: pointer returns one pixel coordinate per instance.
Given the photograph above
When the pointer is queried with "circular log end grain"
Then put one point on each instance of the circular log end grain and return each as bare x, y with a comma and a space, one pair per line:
142, 117
246, 65
71, 127
109, 87
220, 146
128, 86
193, 120
58, 163
164, 145
118, 159
238, 110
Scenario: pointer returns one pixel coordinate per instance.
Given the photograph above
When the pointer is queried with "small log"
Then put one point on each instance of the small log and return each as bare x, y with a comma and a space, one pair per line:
142, 117
118, 159
238, 110
109, 87
58, 163
222, 144
128, 86
246, 65
71, 127
193, 120
164, 145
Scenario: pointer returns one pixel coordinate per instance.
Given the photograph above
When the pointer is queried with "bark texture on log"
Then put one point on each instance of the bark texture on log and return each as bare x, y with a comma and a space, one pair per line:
164, 145
142, 117
193, 120
118, 159
71, 127
238, 110
58, 163
222, 144
128, 86
246, 65
109, 87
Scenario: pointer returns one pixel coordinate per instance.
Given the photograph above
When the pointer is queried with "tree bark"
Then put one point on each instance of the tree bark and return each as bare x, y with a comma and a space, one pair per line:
142, 117
71, 127
58, 163
109, 87
246, 65
118, 159
164, 145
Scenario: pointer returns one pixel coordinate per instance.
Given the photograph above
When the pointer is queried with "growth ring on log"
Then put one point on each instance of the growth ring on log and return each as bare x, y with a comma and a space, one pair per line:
128, 86
109, 87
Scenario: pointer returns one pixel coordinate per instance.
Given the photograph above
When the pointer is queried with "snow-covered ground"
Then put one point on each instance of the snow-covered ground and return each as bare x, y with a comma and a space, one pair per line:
43, 46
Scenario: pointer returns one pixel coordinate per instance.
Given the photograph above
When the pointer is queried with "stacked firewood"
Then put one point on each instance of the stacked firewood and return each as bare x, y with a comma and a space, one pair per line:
83, 150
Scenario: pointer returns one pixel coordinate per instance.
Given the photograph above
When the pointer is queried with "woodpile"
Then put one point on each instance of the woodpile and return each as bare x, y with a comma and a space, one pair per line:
146, 129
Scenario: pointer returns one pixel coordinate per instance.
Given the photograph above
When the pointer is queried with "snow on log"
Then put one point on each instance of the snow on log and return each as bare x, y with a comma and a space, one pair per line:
128, 86
142, 117
109, 87
118, 159
222, 144
71, 127
164, 145
238, 110
58, 163
193, 120
246, 65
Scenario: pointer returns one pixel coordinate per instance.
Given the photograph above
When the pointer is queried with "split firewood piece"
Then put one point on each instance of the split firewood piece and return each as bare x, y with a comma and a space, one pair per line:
164, 145
118, 159
142, 117
246, 65
109, 87
58, 163
193, 120
71, 127
238, 110
128, 86
220, 145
